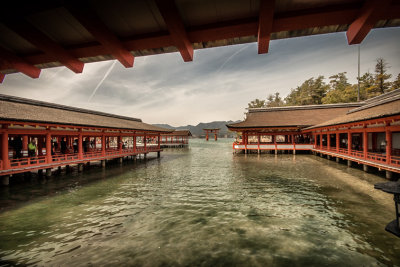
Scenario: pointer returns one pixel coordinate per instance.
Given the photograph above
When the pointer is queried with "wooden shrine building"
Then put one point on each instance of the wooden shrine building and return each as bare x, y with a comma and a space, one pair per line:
367, 133
280, 128
177, 138
38, 135
209, 131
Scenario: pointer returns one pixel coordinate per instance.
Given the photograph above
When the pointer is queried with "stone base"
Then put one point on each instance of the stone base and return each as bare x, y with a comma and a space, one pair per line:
365, 167
349, 163
48, 172
389, 175
337, 159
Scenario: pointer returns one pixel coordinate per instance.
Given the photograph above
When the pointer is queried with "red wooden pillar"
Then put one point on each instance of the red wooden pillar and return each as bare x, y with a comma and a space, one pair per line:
120, 143
388, 146
349, 143
144, 142
25, 142
320, 140
293, 143
80, 147
315, 140
103, 145
365, 143
328, 140
4, 149
159, 141
337, 142
206, 135
134, 144
48, 148
216, 135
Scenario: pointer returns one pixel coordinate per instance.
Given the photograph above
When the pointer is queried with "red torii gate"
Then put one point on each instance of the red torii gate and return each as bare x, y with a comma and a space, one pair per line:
214, 130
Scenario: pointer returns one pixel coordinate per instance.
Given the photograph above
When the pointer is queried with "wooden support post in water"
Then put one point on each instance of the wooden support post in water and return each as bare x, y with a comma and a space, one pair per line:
349, 163
48, 172
389, 175
5, 180
103, 163
80, 167
365, 167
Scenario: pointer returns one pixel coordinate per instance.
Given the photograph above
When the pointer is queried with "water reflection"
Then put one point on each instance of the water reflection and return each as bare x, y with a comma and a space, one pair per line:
204, 206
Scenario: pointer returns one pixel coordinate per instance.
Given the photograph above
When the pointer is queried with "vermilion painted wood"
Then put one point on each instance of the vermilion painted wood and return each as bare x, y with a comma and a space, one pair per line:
11, 61
2, 77
11, 166
335, 15
265, 20
176, 28
101, 33
366, 20
44, 43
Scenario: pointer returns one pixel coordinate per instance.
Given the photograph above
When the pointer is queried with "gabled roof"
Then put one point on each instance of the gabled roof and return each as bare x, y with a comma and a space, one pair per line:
178, 133
378, 107
292, 116
22, 109
42, 34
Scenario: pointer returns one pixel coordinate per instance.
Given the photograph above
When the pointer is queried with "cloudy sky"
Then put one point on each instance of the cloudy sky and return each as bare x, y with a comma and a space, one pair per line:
217, 85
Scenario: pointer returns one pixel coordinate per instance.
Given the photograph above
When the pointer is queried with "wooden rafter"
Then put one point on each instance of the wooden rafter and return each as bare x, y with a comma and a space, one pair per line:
55, 51
265, 21
176, 28
108, 43
101, 33
9, 60
366, 20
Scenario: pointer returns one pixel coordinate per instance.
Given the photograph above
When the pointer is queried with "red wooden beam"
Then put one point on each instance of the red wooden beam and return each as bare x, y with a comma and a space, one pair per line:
176, 28
55, 51
2, 77
265, 20
11, 61
239, 28
101, 33
366, 20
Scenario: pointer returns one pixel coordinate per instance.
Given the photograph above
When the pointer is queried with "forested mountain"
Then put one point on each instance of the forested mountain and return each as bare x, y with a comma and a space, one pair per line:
338, 90
197, 131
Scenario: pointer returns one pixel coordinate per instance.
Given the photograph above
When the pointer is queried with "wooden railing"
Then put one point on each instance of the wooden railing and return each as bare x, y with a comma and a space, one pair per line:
74, 157
370, 156
25, 162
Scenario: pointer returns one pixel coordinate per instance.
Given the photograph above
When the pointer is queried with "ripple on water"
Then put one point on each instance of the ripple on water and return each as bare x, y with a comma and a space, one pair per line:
205, 206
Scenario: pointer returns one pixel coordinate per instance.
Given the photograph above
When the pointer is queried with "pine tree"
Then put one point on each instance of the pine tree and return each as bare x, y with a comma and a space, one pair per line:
257, 103
310, 92
396, 83
381, 76
340, 90
274, 100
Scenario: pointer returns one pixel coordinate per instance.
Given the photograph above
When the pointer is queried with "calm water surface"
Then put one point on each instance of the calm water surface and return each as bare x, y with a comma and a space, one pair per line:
202, 206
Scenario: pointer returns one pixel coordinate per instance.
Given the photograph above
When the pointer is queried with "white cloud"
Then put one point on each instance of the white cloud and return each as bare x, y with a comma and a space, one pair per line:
217, 85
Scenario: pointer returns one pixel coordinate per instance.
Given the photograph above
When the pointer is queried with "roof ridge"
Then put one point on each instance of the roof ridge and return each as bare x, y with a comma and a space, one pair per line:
379, 100
62, 107
319, 106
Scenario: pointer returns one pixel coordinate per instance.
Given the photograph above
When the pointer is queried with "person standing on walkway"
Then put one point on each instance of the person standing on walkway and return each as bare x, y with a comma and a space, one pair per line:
32, 149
